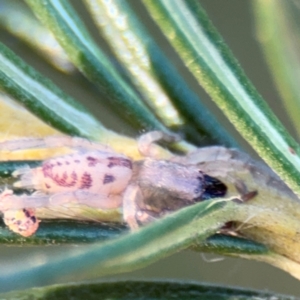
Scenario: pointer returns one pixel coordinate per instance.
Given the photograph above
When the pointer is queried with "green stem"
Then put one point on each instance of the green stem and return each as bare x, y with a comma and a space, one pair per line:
153, 74
190, 31
63, 21
40, 96
277, 28
164, 237
134, 290
18, 20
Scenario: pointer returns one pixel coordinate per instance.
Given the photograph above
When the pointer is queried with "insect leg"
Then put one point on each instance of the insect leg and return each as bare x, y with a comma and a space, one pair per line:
86, 198
10, 201
52, 142
144, 217
205, 154
131, 198
215, 161
146, 142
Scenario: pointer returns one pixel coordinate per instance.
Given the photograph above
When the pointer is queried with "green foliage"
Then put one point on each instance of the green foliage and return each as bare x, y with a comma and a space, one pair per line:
146, 90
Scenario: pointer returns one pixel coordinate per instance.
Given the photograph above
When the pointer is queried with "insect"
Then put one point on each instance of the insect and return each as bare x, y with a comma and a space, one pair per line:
98, 177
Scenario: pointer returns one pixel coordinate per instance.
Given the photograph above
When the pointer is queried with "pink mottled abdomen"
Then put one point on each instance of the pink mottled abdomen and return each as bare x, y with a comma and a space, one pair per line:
97, 172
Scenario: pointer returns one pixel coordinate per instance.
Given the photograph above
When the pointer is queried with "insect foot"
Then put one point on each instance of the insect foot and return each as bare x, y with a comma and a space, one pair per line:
21, 221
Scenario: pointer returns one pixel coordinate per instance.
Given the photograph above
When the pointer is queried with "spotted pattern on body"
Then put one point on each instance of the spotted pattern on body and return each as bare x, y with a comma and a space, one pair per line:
86, 181
92, 161
108, 179
96, 172
23, 222
119, 162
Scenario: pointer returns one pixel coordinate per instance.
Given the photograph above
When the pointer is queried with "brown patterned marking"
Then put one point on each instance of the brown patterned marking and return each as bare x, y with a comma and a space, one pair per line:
108, 178
77, 161
67, 163
26, 212
86, 181
92, 161
119, 161
48, 186
47, 170
63, 181
59, 163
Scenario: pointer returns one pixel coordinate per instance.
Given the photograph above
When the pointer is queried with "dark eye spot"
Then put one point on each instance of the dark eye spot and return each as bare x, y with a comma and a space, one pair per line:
211, 188
33, 219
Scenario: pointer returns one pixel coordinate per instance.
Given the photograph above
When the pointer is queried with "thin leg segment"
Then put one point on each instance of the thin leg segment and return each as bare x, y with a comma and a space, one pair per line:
9, 201
131, 198
215, 161
52, 142
146, 142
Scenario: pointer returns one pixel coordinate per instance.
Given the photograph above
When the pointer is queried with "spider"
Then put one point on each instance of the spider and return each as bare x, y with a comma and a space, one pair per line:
98, 177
